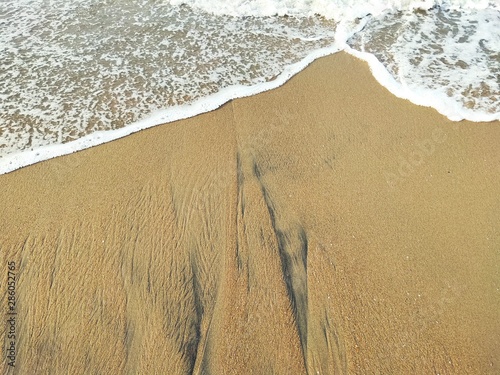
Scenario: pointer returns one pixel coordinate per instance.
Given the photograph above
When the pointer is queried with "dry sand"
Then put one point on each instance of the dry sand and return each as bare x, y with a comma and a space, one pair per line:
326, 227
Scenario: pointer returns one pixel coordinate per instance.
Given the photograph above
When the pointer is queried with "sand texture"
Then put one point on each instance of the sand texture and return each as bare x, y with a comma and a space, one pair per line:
325, 227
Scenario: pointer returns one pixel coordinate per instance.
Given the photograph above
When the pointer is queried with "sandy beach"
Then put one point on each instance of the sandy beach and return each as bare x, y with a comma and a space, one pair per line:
325, 227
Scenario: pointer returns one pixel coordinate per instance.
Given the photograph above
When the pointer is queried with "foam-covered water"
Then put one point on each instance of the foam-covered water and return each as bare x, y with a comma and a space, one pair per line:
446, 59
332, 9
77, 73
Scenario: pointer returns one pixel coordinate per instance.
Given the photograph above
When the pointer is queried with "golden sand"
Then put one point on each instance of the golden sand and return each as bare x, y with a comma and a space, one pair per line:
325, 227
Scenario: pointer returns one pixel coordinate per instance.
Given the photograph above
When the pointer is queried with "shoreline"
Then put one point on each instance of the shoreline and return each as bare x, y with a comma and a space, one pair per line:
323, 226
159, 117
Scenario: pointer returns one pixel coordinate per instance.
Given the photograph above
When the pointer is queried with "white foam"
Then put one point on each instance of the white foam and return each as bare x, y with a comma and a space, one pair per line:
420, 96
444, 60
15, 161
335, 9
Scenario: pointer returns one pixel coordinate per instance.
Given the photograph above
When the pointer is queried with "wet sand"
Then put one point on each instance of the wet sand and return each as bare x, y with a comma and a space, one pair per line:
325, 227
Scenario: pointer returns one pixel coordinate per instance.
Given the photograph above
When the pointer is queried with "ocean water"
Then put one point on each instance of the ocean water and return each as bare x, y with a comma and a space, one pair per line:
77, 73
